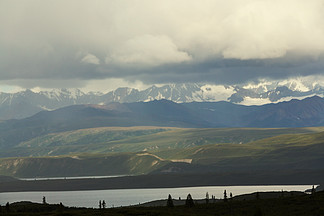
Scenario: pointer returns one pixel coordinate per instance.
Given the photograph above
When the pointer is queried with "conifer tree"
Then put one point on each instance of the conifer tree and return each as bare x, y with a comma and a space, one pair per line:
7, 207
44, 200
170, 201
225, 196
189, 201
313, 190
207, 198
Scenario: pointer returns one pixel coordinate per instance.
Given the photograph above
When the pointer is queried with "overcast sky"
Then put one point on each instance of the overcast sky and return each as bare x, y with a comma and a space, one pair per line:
96, 44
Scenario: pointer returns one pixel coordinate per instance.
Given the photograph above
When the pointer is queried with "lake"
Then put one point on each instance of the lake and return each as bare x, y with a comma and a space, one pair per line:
125, 197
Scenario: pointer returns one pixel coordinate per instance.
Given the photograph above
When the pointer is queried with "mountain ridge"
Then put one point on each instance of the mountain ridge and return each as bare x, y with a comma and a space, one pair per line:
308, 112
27, 103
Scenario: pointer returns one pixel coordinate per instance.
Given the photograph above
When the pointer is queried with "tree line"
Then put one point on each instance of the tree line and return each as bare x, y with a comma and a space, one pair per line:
190, 202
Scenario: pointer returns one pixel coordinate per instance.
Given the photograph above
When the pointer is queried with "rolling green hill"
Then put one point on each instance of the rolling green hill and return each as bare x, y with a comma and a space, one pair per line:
135, 139
91, 136
283, 153
286, 152
312, 143
81, 165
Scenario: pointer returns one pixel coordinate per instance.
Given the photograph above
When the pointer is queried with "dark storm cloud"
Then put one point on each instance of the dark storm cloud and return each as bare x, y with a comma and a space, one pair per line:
227, 71
223, 42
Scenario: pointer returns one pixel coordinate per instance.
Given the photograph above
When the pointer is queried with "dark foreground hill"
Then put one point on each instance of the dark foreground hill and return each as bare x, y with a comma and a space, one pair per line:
286, 204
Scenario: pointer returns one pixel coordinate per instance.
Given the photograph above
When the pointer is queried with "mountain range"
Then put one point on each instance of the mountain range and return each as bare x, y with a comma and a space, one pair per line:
27, 103
308, 112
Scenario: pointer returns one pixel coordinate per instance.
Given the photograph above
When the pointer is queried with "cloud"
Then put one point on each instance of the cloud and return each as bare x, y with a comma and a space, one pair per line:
160, 41
148, 50
271, 29
90, 59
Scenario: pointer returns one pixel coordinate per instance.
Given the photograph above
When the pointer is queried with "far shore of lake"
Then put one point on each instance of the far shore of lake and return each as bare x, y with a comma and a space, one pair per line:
165, 181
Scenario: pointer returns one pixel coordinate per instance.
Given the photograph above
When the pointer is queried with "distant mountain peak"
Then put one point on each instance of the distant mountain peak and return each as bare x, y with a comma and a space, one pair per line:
258, 94
315, 97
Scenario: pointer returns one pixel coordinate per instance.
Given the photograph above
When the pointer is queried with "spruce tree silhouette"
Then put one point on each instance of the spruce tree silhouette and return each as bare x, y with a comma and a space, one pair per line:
7, 207
44, 200
189, 201
207, 198
225, 196
170, 201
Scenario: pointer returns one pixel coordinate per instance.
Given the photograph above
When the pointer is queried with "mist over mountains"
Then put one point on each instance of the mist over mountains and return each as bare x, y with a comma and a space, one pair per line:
27, 103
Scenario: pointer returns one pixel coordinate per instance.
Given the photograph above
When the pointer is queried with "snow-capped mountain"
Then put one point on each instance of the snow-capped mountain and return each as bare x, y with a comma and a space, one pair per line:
270, 92
26, 103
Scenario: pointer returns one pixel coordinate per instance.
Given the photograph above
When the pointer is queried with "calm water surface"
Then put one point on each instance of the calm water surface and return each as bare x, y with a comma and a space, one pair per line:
124, 197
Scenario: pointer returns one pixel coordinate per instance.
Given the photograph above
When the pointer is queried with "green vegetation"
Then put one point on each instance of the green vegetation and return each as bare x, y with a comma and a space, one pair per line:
136, 139
302, 151
170, 149
299, 205
81, 165
90, 136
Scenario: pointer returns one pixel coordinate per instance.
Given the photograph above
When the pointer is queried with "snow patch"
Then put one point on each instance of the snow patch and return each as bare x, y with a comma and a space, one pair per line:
45, 108
189, 161
216, 92
294, 85
248, 101
263, 86
298, 98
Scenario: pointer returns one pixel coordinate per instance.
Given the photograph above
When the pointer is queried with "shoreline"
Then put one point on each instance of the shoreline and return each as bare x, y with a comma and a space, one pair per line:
165, 181
148, 197
267, 203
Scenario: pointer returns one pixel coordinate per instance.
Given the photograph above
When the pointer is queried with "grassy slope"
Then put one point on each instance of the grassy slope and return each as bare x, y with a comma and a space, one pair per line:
90, 136
82, 165
302, 151
260, 146
103, 140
